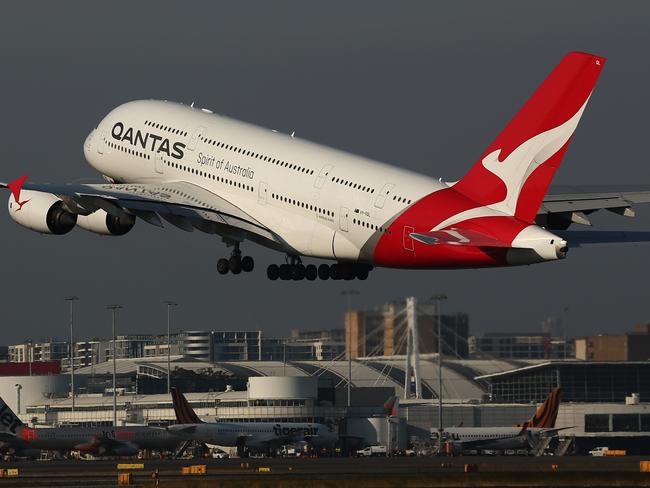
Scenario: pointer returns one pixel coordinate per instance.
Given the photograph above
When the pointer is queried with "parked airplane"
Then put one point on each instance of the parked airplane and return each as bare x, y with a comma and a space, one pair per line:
99, 441
522, 436
197, 170
246, 435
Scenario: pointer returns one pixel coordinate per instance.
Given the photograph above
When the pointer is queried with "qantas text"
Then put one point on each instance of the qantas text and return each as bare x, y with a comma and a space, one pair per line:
147, 140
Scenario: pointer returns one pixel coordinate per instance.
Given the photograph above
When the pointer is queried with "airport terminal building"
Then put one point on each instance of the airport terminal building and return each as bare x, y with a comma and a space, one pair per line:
603, 403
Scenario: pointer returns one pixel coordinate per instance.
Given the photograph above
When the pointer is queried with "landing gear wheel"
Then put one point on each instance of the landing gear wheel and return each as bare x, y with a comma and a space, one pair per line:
311, 273
223, 266
362, 274
336, 273
348, 271
285, 272
235, 265
247, 264
273, 272
324, 272
298, 272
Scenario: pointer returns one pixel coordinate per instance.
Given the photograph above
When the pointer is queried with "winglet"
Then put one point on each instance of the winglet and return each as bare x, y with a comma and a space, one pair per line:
16, 187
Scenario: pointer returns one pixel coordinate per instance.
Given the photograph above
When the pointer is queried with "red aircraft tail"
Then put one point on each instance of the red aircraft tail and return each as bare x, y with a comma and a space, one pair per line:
391, 406
514, 172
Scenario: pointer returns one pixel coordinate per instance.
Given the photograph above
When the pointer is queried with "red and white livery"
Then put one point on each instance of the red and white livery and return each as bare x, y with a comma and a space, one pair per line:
196, 170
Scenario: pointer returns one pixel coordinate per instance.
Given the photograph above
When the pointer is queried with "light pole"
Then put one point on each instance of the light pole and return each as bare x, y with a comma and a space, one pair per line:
348, 294
284, 357
169, 304
114, 309
566, 332
18, 388
438, 298
71, 300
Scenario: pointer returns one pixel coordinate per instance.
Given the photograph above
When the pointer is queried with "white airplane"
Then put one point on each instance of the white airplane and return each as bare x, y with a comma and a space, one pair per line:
523, 436
246, 435
198, 170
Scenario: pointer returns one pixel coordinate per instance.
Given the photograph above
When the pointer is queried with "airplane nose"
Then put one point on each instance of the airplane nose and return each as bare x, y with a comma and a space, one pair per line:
88, 144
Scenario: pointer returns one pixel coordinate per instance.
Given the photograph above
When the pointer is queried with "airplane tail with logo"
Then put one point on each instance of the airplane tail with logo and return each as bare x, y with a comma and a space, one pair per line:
546, 414
391, 406
10, 424
185, 414
513, 174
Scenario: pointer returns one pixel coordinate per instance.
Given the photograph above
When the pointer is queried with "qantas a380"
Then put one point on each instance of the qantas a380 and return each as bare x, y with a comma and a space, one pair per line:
165, 161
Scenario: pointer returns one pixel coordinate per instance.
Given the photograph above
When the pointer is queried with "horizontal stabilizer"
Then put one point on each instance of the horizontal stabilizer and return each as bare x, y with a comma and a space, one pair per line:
457, 237
579, 238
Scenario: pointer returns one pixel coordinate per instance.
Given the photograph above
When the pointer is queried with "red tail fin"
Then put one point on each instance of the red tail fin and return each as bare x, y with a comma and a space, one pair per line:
514, 172
391, 406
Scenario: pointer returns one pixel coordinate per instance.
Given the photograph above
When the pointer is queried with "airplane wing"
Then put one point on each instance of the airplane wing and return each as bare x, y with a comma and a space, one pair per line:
564, 205
182, 204
552, 432
581, 238
478, 443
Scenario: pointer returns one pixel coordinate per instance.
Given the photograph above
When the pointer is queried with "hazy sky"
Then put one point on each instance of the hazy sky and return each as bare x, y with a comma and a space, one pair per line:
422, 85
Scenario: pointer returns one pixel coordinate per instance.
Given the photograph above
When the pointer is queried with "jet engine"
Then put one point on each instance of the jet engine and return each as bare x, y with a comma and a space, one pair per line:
41, 212
124, 449
106, 224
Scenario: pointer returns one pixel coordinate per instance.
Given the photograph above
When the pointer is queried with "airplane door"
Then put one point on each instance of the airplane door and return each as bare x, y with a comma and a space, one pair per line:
322, 176
383, 194
158, 163
198, 134
262, 193
101, 142
343, 218
407, 239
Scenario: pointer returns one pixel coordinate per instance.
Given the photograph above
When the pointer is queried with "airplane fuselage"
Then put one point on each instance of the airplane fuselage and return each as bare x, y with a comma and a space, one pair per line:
96, 440
322, 202
256, 434
207, 172
498, 438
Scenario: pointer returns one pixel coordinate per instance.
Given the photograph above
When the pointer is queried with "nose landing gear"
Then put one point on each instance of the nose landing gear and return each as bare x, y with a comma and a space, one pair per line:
236, 264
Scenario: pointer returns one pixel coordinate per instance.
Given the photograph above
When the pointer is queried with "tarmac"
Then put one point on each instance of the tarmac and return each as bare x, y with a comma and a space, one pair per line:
465, 471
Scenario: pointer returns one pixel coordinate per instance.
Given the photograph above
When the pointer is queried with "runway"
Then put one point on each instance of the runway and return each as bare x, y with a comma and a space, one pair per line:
357, 472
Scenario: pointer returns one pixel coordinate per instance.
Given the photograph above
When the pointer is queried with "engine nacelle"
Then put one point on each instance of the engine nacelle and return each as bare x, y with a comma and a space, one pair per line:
125, 449
41, 212
106, 224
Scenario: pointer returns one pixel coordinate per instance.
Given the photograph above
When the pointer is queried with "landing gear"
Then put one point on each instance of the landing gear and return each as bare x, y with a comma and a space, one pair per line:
296, 271
236, 264
247, 264
311, 273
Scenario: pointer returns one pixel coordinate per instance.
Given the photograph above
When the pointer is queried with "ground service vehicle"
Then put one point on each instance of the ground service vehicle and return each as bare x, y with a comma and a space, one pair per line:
372, 451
